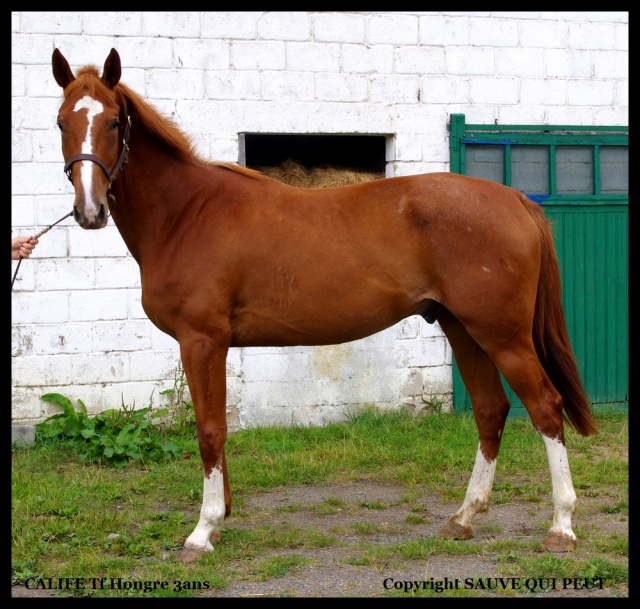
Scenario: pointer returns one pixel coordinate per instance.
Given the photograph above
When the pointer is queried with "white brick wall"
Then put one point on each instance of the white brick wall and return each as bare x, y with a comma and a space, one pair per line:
77, 324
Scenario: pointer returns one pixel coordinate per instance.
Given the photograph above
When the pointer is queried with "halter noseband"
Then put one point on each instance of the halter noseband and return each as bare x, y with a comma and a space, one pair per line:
122, 159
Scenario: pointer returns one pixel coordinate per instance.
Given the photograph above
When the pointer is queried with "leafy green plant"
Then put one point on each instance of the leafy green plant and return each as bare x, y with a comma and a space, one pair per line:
434, 404
114, 436
181, 417
23, 569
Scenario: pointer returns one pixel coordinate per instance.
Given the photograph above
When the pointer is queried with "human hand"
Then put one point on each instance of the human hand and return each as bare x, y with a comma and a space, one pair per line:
21, 247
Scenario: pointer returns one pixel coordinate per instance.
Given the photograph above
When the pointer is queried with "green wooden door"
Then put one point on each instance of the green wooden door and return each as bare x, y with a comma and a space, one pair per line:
580, 176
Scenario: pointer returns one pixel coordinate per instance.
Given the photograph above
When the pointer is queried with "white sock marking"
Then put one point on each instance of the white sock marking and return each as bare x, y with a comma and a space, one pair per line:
479, 490
564, 495
211, 513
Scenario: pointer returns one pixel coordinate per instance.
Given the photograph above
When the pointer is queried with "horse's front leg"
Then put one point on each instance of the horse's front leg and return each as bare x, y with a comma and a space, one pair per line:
204, 362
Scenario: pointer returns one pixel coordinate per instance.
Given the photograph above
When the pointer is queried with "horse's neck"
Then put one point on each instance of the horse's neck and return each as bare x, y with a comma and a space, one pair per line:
147, 197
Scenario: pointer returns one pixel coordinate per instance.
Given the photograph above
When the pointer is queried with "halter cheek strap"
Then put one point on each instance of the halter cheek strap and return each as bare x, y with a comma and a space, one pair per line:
122, 159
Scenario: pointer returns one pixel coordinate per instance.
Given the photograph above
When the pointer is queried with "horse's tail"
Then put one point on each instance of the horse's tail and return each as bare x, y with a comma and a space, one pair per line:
550, 334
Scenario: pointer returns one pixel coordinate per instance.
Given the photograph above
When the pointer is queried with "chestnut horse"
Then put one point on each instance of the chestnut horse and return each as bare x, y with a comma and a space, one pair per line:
231, 258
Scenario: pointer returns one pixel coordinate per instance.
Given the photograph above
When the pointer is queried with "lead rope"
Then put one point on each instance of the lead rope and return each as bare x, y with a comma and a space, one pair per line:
37, 236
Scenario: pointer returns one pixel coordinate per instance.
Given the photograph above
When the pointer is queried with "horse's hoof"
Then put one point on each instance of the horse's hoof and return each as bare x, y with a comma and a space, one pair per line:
190, 554
453, 530
559, 542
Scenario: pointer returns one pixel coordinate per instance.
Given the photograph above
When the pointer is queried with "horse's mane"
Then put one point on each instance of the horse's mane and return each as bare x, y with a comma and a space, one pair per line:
145, 116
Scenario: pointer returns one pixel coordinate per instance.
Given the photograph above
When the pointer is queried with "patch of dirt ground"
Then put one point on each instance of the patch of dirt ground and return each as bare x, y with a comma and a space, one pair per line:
364, 515
330, 571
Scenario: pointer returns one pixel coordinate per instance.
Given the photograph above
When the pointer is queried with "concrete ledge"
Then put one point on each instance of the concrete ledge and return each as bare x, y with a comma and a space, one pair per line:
23, 434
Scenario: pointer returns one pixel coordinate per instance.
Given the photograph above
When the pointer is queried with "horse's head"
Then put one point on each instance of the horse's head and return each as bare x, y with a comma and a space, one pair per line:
91, 126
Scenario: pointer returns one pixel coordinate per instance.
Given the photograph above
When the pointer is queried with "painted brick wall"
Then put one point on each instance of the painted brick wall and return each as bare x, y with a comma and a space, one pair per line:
77, 324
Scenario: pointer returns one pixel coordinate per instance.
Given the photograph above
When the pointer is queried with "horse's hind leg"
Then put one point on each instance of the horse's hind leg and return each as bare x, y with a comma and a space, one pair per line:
490, 409
521, 368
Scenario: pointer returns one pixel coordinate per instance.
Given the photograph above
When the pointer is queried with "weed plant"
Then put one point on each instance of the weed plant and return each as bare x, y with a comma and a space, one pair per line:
114, 436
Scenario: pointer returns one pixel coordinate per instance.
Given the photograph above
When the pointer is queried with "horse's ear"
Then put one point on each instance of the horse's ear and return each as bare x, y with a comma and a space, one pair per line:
61, 70
112, 70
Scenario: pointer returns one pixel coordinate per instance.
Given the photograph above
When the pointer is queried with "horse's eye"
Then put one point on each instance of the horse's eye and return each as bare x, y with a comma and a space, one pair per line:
59, 123
115, 123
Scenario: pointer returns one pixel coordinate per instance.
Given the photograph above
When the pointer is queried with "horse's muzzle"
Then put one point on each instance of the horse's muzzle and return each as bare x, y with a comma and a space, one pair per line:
98, 221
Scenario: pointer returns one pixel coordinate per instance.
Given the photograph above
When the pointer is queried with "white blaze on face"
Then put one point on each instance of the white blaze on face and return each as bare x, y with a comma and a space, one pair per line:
211, 513
93, 108
564, 495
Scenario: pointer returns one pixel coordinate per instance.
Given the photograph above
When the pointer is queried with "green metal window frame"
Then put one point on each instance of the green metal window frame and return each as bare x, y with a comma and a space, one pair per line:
537, 135
553, 137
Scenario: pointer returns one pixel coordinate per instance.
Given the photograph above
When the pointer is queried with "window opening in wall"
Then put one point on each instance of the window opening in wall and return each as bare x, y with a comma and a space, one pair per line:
316, 160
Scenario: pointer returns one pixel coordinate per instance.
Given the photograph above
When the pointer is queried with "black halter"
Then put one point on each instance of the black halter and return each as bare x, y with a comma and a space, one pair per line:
122, 159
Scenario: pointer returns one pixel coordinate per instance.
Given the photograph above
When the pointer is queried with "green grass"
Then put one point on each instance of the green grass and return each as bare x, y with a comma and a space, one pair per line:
92, 520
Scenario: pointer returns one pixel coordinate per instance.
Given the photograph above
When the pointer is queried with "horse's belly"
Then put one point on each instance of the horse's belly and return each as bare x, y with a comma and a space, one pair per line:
319, 317
253, 331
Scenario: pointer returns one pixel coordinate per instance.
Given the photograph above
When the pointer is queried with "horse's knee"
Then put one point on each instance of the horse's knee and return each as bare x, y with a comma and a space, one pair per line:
212, 435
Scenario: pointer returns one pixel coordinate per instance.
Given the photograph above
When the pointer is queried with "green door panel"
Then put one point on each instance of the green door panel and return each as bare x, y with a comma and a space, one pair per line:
591, 234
